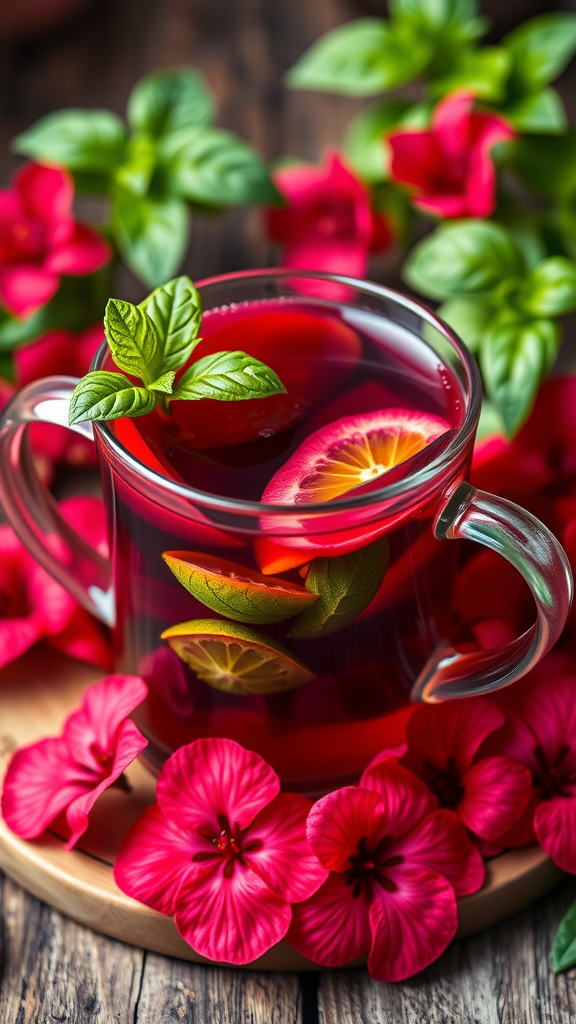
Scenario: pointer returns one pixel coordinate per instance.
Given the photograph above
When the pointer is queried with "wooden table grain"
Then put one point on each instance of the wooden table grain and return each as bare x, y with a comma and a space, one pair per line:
52, 969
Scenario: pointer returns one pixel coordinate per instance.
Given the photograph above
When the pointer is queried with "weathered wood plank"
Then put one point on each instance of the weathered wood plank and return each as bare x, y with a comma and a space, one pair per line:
501, 976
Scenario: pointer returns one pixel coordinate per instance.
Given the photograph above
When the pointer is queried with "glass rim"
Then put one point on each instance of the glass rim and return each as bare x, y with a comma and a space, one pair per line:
398, 489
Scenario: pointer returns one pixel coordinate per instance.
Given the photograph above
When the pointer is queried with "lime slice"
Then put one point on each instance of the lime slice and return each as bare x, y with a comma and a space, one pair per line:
234, 658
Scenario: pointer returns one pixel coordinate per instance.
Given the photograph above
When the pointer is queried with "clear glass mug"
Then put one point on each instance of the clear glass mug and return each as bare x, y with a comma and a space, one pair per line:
353, 696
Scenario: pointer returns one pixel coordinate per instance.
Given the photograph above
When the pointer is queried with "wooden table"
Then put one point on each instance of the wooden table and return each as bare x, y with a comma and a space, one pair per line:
50, 968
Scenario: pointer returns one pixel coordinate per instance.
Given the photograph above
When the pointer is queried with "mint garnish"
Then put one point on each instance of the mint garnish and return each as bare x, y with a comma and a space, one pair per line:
151, 342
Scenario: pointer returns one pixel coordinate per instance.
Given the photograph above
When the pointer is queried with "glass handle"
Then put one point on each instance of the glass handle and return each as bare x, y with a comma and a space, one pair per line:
530, 547
32, 511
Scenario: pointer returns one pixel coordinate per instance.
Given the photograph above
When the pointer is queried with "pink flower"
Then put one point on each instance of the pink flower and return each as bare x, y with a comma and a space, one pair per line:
58, 352
34, 606
223, 850
71, 771
540, 733
396, 865
328, 224
40, 240
449, 165
487, 793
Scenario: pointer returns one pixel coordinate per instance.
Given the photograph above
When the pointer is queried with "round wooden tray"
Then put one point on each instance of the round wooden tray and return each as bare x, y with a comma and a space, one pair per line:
36, 693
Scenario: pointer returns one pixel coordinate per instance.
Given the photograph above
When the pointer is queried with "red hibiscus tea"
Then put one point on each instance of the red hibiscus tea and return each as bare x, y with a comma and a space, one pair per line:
298, 636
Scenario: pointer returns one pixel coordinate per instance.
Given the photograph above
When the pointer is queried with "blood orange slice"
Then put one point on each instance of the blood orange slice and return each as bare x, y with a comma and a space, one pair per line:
234, 658
350, 453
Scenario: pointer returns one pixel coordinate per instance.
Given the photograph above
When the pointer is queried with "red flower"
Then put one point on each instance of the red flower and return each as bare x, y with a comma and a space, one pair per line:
40, 240
396, 866
58, 352
328, 224
540, 733
71, 771
449, 165
223, 850
34, 606
487, 793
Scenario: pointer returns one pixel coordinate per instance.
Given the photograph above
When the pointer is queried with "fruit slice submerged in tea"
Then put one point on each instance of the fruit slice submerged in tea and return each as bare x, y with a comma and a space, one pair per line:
235, 591
234, 658
350, 453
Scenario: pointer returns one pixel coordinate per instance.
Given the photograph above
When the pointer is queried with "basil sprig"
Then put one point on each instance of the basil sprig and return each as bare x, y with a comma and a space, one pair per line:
151, 342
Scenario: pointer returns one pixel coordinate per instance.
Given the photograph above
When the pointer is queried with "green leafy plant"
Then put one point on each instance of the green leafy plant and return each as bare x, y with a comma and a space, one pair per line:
152, 342
166, 161
564, 947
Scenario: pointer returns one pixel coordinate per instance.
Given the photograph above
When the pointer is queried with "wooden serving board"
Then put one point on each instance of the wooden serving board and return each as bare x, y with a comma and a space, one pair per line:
36, 693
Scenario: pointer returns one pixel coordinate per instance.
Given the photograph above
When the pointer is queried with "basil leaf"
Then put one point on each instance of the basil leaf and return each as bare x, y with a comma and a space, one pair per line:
176, 311
364, 144
469, 318
547, 165
135, 173
228, 377
78, 139
438, 16
166, 101
133, 339
541, 112
217, 168
362, 58
490, 422
550, 290
484, 72
515, 356
468, 256
541, 48
564, 947
345, 587
108, 396
151, 235
164, 383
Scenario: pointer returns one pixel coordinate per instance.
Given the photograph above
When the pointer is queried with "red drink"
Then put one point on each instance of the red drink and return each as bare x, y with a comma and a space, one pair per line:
338, 364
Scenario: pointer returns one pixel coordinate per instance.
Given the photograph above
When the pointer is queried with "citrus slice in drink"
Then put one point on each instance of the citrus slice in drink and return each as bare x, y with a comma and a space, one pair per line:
352, 452
235, 659
235, 591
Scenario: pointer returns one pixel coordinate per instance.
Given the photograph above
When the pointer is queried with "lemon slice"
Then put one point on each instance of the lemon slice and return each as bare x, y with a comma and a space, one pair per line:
235, 659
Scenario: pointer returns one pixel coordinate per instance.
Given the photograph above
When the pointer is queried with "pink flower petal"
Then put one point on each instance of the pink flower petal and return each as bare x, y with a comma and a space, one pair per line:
453, 731
46, 194
11, 211
451, 124
412, 926
550, 714
88, 344
85, 639
285, 862
333, 927
154, 860
83, 253
441, 845
51, 354
24, 288
496, 791
129, 742
338, 821
234, 920
87, 515
50, 604
90, 732
212, 777
17, 636
40, 781
405, 797
415, 154
555, 826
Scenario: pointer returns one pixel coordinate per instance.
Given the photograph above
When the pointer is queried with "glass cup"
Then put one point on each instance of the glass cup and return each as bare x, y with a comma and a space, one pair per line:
323, 705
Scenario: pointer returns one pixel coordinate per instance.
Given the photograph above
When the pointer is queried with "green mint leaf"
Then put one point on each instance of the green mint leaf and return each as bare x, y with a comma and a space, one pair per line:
548, 166
441, 16
133, 340
564, 947
515, 356
176, 311
464, 257
163, 383
484, 72
91, 140
541, 112
364, 144
490, 422
235, 591
108, 396
151, 235
167, 101
469, 318
228, 377
345, 587
362, 58
541, 48
135, 172
217, 168
550, 289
